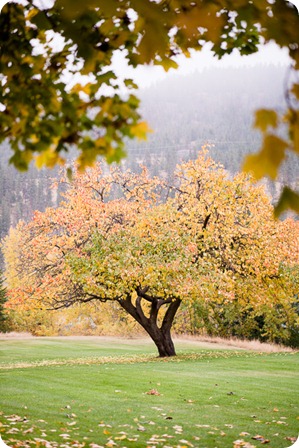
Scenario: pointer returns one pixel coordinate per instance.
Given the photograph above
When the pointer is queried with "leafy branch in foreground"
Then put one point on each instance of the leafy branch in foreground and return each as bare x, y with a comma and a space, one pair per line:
58, 87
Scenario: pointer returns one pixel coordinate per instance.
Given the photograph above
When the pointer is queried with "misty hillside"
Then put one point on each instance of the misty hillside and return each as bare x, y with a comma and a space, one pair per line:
185, 112
214, 106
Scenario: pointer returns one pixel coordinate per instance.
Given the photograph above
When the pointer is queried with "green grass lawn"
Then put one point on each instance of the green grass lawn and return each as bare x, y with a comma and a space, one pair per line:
58, 392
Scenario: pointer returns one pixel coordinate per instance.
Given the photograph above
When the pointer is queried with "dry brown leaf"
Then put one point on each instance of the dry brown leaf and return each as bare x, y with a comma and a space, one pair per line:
261, 439
291, 439
153, 392
28, 430
242, 444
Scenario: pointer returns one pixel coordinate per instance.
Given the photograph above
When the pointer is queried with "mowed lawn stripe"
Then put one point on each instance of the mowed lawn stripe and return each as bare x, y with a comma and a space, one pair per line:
205, 401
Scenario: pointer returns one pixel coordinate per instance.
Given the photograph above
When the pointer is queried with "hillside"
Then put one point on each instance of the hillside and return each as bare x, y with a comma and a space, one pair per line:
214, 106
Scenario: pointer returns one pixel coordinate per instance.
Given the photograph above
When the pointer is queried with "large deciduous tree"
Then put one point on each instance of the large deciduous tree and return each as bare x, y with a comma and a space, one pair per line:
134, 240
45, 47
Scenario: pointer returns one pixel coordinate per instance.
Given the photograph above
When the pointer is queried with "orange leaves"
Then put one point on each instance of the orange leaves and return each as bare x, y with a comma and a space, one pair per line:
206, 239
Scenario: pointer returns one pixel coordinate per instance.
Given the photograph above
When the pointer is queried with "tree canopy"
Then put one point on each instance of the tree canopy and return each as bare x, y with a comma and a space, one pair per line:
148, 246
58, 87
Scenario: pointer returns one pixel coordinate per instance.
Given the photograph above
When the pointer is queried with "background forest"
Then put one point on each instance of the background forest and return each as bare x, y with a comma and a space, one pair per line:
184, 112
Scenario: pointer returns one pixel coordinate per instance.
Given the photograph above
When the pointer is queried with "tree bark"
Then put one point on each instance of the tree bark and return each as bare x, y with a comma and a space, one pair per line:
161, 335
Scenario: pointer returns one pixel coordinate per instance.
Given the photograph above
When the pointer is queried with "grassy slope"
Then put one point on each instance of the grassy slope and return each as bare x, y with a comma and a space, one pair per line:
207, 398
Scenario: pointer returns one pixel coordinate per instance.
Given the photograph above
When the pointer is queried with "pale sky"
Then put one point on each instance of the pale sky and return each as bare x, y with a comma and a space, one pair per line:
145, 76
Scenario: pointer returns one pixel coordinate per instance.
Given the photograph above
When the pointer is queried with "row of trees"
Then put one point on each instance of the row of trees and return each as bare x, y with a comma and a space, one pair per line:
206, 244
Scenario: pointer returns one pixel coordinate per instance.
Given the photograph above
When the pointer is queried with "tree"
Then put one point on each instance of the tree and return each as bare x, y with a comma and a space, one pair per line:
56, 69
136, 241
3, 299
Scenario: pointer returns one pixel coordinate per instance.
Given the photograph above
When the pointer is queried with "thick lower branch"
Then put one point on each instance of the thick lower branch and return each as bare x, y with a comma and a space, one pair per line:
160, 335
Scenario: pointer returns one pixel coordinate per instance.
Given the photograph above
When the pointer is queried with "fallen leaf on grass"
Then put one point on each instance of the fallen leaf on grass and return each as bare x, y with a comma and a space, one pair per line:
153, 392
42, 442
71, 415
64, 436
186, 442
242, 434
156, 439
111, 443
123, 437
12, 431
291, 439
29, 430
15, 418
261, 439
242, 444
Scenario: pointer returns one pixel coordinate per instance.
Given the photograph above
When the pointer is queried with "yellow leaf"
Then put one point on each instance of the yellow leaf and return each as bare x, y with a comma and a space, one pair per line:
48, 158
268, 160
265, 118
295, 90
140, 130
33, 12
293, 118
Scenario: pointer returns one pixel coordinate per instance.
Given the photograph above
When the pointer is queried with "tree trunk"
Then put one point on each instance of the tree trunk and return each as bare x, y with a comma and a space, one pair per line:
163, 341
161, 336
